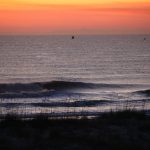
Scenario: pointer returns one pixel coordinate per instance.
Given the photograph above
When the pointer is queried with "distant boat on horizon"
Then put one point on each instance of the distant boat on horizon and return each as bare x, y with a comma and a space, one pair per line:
73, 37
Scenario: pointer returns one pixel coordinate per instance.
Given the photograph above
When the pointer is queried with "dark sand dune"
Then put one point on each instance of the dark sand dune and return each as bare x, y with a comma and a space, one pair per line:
126, 130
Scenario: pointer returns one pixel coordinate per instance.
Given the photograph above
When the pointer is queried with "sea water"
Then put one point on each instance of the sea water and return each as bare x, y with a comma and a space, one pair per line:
89, 73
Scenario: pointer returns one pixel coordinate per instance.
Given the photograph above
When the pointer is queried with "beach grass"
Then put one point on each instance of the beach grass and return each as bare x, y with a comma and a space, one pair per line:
125, 130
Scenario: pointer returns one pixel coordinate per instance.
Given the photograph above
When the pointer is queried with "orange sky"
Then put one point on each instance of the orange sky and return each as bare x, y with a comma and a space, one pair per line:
74, 17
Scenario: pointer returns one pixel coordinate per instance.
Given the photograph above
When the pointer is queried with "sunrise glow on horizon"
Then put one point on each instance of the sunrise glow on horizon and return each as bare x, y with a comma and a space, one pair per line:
74, 17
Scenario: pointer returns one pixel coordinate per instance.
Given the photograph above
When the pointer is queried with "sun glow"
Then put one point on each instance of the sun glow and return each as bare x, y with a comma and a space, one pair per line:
82, 17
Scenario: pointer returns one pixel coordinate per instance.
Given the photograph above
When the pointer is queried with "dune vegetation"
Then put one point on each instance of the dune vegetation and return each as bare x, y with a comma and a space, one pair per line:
125, 130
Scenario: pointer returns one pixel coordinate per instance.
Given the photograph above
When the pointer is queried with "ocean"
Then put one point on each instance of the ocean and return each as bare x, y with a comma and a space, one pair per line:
88, 74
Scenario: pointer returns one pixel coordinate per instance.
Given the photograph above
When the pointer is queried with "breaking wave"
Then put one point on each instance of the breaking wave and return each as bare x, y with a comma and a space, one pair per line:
143, 92
40, 89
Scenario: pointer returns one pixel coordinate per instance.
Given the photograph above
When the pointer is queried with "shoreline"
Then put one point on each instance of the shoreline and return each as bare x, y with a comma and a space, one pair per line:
69, 115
